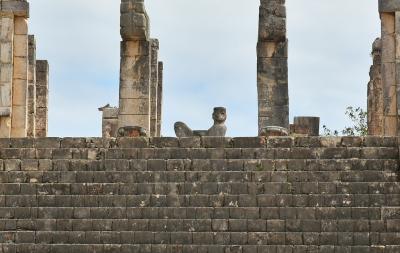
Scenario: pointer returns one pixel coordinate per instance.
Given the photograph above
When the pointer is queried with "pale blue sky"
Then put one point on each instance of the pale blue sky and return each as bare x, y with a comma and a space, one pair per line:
208, 49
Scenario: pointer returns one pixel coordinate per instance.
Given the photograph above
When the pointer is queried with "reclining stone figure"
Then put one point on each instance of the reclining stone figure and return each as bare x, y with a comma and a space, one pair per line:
218, 129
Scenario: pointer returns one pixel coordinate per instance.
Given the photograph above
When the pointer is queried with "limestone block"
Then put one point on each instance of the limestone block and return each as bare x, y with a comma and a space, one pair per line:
5, 127
31, 126
110, 112
139, 106
132, 90
389, 5
130, 48
134, 120
19, 117
20, 68
5, 96
272, 49
272, 28
31, 98
387, 23
390, 101
134, 20
6, 52
19, 8
388, 75
390, 126
20, 92
5, 111
6, 73
128, 71
21, 46
41, 118
20, 26
6, 28
388, 48
275, 94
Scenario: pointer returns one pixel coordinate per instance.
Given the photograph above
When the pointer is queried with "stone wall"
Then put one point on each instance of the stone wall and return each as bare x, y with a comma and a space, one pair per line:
200, 195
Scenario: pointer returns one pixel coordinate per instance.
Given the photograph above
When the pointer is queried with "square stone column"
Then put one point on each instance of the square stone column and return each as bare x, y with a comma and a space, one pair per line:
154, 88
6, 72
31, 131
134, 93
42, 98
375, 92
20, 79
390, 66
272, 66
135, 72
160, 96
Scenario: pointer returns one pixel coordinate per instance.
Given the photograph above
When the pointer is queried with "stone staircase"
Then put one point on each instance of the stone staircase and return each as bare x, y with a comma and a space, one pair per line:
200, 195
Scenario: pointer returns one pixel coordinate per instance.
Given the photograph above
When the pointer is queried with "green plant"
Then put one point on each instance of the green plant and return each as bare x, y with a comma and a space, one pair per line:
359, 119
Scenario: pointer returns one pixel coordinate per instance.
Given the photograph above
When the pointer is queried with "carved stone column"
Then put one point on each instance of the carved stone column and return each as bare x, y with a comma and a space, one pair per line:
31, 130
42, 98
375, 92
272, 66
159, 97
134, 102
154, 87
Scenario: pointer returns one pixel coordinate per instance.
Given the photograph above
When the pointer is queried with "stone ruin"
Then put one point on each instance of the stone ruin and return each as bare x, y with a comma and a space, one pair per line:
200, 194
140, 96
383, 91
24, 80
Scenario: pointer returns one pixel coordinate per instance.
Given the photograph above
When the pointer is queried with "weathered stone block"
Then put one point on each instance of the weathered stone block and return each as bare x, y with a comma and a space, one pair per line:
389, 5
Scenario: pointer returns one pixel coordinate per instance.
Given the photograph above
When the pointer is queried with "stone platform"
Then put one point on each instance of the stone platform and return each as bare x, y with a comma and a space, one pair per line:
200, 195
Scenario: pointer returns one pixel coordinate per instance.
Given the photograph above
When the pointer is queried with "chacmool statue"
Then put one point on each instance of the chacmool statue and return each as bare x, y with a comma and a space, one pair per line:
218, 129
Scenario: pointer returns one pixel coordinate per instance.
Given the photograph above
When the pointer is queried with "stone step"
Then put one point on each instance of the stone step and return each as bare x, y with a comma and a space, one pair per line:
205, 238
197, 142
198, 187
130, 177
164, 248
202, 153
301, 224
114, 165
204, 200
383, 213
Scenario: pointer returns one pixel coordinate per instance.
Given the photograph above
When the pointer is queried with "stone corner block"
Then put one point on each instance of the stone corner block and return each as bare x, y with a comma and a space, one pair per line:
389, 5
18, 8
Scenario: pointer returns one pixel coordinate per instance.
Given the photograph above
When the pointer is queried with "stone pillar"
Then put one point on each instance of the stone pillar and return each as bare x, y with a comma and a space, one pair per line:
159, 97
272, 66
390, 72
42, 97
20, 79
31, 131
375, 92
134, 102
154, 87
6, 72
109, 121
